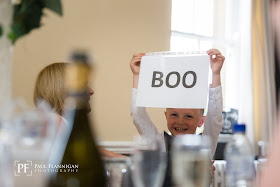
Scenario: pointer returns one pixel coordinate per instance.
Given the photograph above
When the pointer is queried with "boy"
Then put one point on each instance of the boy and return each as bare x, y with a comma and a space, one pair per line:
183, 121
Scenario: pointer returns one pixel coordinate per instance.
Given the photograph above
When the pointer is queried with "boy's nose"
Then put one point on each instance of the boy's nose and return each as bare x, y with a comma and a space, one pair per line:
180, 120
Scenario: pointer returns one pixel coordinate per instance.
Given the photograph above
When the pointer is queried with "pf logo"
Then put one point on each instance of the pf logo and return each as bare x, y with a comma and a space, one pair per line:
22, 168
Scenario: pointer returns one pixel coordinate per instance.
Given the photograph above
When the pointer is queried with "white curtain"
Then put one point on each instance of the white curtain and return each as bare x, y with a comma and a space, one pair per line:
263, 71
238, 89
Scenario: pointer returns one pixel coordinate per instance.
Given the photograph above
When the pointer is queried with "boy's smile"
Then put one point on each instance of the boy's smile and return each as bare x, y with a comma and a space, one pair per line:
183, 121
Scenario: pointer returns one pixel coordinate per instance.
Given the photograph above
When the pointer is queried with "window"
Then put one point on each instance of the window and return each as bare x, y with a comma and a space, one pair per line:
192, 25
226, 25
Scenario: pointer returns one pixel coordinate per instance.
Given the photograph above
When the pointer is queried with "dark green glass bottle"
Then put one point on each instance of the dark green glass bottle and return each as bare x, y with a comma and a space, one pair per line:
76, 149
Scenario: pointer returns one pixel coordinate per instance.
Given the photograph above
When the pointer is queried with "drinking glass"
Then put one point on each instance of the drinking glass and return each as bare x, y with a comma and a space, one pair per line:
148, 162
28, 132
35, 129
118, 173
191, 161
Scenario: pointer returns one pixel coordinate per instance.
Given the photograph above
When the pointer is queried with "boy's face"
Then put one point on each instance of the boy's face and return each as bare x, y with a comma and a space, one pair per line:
183, 121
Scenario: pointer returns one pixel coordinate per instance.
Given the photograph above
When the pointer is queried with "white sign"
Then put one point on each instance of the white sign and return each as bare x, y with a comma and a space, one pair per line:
173, 81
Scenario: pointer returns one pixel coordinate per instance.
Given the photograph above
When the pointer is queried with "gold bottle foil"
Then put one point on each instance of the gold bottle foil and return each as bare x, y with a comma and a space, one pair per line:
77, 74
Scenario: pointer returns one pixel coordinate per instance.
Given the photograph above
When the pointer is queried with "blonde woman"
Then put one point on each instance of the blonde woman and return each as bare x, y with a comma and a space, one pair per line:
50, 87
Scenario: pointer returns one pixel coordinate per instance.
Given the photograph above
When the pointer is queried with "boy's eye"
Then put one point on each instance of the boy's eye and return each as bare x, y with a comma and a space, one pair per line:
189, 116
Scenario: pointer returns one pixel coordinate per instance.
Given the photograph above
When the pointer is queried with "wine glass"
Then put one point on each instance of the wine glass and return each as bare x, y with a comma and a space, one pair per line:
148, 162
191, 161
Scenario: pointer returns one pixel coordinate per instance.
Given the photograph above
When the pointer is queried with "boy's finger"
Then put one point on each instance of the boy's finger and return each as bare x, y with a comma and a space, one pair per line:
138, 54
213, 56
221, 57
212, 50
137, 58
134, 62
208, 51
215, 53
135, 55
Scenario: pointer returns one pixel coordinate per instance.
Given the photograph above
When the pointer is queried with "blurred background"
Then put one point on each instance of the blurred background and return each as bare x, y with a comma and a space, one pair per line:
113, 31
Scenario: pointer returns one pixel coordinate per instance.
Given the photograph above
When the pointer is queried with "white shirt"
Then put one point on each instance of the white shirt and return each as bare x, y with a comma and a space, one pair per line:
212, 125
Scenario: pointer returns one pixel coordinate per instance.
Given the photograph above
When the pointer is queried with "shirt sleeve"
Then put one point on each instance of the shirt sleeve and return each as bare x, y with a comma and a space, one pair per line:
141, 119
214, 118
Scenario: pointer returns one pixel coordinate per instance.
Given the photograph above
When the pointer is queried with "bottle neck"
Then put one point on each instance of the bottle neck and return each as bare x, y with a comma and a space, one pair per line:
77, 78
77, 85
76, 100
78, 94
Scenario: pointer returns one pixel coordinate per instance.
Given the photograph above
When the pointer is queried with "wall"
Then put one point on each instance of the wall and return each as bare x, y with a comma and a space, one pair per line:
112, 31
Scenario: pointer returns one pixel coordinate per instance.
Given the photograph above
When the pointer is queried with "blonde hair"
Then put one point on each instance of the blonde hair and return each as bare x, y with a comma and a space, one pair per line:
50, 86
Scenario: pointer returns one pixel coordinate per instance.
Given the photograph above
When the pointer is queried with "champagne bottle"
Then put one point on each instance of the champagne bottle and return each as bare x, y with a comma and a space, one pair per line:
77, 150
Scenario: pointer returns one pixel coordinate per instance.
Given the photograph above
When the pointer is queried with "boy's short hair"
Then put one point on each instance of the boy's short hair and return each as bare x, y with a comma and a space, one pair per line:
202, 112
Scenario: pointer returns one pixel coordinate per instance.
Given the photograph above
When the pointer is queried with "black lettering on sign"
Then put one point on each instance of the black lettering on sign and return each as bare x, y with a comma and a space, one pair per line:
157, 78
167, 79
194, 79
155, 73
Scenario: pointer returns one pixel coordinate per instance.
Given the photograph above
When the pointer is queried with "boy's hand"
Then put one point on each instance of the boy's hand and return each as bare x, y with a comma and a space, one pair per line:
216, 62
135, 68
135, 63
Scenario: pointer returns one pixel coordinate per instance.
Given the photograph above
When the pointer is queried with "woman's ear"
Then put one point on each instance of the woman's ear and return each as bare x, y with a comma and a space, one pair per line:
201, 121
